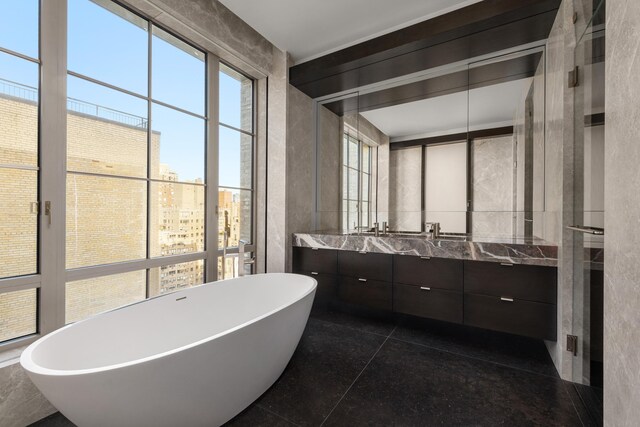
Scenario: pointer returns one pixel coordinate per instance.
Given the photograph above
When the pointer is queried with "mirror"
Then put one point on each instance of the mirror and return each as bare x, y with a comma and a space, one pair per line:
462, 146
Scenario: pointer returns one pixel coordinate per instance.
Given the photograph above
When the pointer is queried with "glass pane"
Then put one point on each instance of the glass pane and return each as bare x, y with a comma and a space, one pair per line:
353, 153
353, 214
178, 72
236, 99
106, 130
345, 182
19, 26
365, 186
177, 218
236, 159
345, 150
108, 43
177, 145
235, 216
365, 214
366, 158
85, 298
353, 184
106, 220
18, 314
18, 222
230, 270
175, 277
18, 111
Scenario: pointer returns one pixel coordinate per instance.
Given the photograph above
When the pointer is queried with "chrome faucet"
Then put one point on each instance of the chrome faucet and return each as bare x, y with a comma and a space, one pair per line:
433, 228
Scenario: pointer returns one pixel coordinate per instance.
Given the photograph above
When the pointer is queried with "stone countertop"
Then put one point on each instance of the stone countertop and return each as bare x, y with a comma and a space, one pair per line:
516, 250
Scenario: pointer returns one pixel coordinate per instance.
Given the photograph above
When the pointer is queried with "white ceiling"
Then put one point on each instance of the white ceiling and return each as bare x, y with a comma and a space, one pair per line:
311, 28
489, 106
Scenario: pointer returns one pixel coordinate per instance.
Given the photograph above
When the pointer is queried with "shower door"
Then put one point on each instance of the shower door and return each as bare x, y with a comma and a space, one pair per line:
588, 224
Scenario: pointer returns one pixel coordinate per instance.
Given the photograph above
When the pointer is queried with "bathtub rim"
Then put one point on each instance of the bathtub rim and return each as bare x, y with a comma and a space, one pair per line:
26, 360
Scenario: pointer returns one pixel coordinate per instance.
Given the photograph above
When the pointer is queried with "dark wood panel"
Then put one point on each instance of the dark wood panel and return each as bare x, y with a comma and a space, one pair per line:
327, 289
482, 133
532, 319
441, 273
307, 260
525, 22
441, 29
365, 265
525, 282
366, 292
460, 81
430, 303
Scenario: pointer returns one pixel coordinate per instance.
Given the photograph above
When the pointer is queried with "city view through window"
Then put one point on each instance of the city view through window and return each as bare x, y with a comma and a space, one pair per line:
136, 159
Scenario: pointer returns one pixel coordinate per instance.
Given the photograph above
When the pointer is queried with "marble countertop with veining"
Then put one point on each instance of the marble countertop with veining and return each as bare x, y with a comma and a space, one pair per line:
511, 250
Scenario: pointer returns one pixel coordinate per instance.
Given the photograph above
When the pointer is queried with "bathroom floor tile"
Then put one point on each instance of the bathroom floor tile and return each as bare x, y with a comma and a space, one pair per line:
510, 350
413, 385
255, 416
54, 420
326, 362
363, 323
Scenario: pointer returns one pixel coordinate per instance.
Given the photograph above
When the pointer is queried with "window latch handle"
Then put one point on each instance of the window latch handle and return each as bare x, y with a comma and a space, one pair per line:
47, 212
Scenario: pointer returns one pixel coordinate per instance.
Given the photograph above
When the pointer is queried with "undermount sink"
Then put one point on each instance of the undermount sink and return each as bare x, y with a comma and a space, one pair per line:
443, 236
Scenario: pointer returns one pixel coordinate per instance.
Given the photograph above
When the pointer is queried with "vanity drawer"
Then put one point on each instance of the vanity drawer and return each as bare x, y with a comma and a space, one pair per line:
365, 265
524, 282
307, 260
369, 293
532, 319
431, 303
426, 271
327, 287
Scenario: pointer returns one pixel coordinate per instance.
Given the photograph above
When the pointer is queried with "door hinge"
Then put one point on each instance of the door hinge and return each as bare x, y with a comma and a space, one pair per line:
574, 77
572, 344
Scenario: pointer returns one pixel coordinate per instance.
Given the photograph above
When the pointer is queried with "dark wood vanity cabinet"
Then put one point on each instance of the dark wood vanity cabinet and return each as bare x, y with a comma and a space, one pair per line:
518, 299
365, 279
428, 287
322, 265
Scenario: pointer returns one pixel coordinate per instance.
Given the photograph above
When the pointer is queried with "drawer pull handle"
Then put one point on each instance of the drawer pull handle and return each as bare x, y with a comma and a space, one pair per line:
362, 280
363, 252
424, 288
506, 264
314, 273
506, 299
425, 257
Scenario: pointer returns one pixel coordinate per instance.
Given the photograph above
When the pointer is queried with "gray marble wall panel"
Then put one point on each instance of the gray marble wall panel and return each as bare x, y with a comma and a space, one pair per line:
622, 216
21, 403
328, 170
493, 186
277, 240
300, 158
382, 203
405, 194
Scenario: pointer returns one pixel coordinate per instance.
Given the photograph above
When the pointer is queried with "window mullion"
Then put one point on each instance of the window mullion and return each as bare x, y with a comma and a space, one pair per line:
53, 162
211, 167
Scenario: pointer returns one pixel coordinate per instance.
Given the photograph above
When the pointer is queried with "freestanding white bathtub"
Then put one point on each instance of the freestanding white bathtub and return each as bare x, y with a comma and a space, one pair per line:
195, 357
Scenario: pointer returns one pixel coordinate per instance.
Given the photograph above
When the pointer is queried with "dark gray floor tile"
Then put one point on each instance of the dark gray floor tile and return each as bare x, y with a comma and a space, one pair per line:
255, 416
518, 352
54, 420
374, 325
413, 385
588, 402
326, 362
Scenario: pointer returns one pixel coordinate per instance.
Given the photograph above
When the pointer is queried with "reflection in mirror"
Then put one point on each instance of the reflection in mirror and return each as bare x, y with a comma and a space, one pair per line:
463, 147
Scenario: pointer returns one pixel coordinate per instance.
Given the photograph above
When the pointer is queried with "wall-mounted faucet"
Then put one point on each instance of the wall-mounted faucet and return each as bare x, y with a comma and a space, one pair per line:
244, 247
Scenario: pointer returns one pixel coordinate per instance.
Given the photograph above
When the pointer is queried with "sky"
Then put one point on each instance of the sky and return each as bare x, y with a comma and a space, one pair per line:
108, 48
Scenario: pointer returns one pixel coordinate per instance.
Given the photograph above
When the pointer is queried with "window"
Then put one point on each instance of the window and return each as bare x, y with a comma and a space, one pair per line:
236, 153
137, 136
19, 168
356, 183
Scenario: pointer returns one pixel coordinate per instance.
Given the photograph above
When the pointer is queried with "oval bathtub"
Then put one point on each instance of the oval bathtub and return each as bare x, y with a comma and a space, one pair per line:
195, 357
